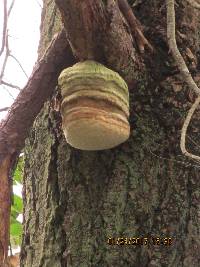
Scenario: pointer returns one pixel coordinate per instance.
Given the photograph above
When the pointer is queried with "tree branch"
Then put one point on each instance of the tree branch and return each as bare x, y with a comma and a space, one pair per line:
98, 31
5, 189
5, 20
39, 4
5, 59
10, 85
134, 25
8, 92
184, 73
95, 31
14, 129
4, 109
11, 7
21, 67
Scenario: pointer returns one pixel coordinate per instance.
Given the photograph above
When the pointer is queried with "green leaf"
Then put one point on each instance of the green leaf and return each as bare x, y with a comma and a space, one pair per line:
15, 234
14, 215
17, 207
18, 173
15, 241
18, 204
16, 229
13, 221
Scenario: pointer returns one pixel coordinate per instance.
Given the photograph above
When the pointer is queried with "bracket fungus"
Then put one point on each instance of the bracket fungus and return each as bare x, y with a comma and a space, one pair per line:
95, 106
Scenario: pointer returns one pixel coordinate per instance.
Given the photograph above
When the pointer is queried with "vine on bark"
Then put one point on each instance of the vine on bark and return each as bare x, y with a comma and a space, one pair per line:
14, 129
187, 77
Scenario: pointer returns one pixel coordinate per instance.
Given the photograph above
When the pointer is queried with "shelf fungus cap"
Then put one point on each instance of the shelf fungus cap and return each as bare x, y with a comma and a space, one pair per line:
95, 106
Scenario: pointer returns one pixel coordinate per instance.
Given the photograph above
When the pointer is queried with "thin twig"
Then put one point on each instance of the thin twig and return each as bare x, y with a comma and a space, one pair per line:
19, 65
134, 25
5, 20
5, 45
4, 109
13, 98
184, 72
38, 3
11, 7
5, 59
5, 37
10, 85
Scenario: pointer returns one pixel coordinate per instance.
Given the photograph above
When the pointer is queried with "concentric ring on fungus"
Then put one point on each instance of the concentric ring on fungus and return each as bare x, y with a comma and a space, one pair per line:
95, 106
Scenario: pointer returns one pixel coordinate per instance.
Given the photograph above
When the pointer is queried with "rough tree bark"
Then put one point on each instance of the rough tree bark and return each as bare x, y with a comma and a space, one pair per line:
75, 200
20, 117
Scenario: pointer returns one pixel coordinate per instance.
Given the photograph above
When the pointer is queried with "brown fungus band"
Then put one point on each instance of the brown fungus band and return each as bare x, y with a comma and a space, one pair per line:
95, 106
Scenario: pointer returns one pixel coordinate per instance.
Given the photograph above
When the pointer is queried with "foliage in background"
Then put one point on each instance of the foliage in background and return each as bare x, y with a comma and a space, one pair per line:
17, 207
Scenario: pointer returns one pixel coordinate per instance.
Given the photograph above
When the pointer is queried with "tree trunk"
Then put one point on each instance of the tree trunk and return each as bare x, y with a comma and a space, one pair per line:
75, 200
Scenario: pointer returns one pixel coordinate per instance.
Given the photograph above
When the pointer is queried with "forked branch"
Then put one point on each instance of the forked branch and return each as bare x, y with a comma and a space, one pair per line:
135, 26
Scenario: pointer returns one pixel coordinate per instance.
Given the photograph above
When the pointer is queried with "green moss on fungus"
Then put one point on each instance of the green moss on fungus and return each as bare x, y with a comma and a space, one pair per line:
95, 106
91, 70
